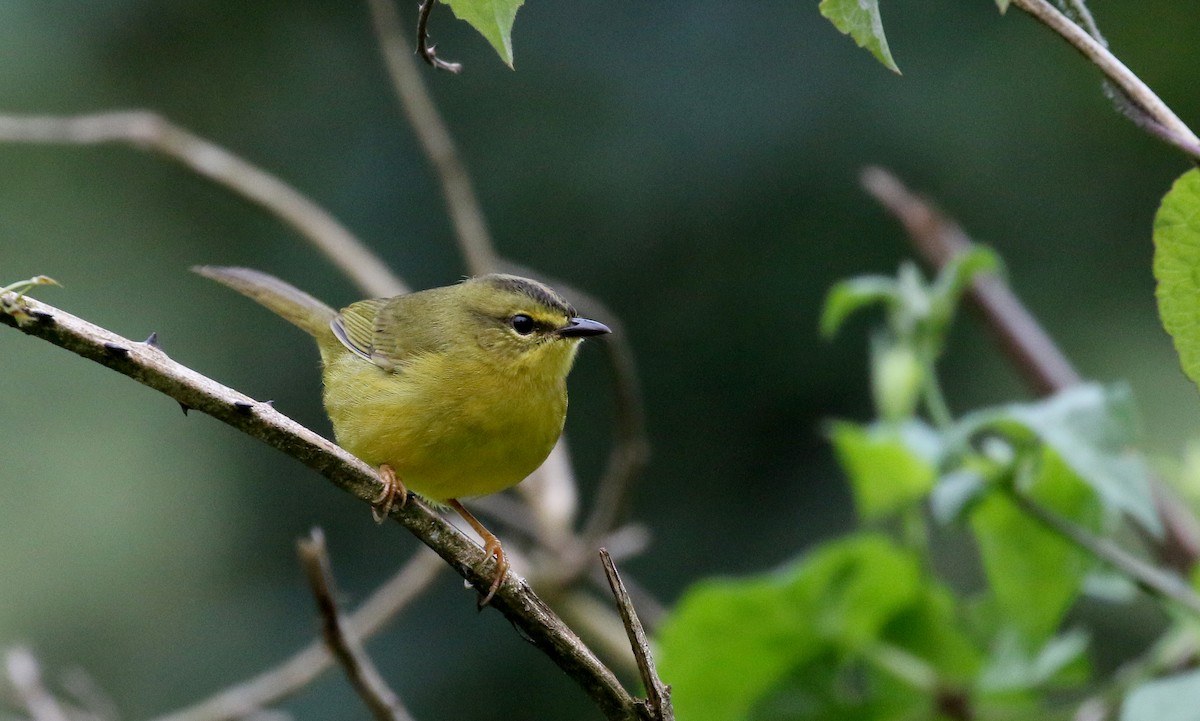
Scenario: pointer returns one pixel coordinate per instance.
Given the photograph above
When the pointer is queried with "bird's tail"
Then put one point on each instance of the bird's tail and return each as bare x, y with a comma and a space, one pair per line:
286, 300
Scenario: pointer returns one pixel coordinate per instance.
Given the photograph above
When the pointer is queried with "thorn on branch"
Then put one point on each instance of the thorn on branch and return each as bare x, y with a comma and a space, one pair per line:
116, 351
424, 48
152, 340
243, 407
184, 407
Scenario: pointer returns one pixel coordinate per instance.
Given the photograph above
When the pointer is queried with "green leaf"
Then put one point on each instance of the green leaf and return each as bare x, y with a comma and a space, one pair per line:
493, 19
890, 466
860, 20
957, 274
834, 602
1034, 574
846, 297
1091, 428
1177, 268
1165, 699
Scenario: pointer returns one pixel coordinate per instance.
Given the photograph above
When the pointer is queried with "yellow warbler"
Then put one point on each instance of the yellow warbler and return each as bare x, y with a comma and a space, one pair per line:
452, 392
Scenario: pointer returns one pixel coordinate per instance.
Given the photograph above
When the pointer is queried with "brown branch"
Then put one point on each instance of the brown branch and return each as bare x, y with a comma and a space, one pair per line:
147, 131
658, 694
151, 367
423, 47
301, 669
1045, 368
346, 647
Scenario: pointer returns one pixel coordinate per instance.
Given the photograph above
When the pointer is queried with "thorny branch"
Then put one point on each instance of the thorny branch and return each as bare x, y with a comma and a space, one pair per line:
346, 647
148, 365
423, 47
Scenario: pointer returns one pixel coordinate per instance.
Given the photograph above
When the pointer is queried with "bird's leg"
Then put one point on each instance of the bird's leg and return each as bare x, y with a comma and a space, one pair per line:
491, 547
393, 488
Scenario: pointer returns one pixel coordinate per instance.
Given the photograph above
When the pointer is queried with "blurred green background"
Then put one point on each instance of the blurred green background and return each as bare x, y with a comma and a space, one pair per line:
694, 164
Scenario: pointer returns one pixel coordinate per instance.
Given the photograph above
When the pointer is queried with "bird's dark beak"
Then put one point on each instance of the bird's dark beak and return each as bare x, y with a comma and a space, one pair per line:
582, 328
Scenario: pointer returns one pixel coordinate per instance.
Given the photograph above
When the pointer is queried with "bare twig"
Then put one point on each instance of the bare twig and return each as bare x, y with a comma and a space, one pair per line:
305, 666
150, 366
148, 131
423, 47
1159, 118
1151, 578
658, 694
383, 702
461, 203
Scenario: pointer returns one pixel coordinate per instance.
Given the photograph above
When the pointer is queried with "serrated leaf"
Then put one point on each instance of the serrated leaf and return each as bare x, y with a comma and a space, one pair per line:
848, 296
1177, 268
889, 466
1165, 699
493, 19
860, 20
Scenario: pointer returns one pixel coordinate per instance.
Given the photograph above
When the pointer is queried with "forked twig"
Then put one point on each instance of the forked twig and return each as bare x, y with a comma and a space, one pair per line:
346, 647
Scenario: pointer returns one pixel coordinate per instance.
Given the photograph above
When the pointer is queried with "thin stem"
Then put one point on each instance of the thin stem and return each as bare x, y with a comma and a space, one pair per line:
149, 366
658, 694
935, 399
148, 131
1173, 130
1151, 578
461, 203
301, 669
423, 47
346, 647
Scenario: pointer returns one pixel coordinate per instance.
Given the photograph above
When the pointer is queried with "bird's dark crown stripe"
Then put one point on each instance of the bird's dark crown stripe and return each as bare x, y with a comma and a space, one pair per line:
535, 291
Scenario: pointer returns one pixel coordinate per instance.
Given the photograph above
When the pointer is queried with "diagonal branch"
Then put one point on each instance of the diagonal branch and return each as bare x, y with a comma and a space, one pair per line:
1149, 111
148, 365
658, 694
346, 647
243, 699
149, 131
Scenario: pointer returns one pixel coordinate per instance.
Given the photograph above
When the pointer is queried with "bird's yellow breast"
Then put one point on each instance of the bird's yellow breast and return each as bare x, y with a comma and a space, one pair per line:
449, 426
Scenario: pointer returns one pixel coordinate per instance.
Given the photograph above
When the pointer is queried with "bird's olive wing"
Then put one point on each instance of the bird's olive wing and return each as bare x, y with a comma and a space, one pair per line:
387, 331
354, 326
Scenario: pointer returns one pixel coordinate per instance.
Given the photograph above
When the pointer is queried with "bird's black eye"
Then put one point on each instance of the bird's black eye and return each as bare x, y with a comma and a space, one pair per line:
522, 324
